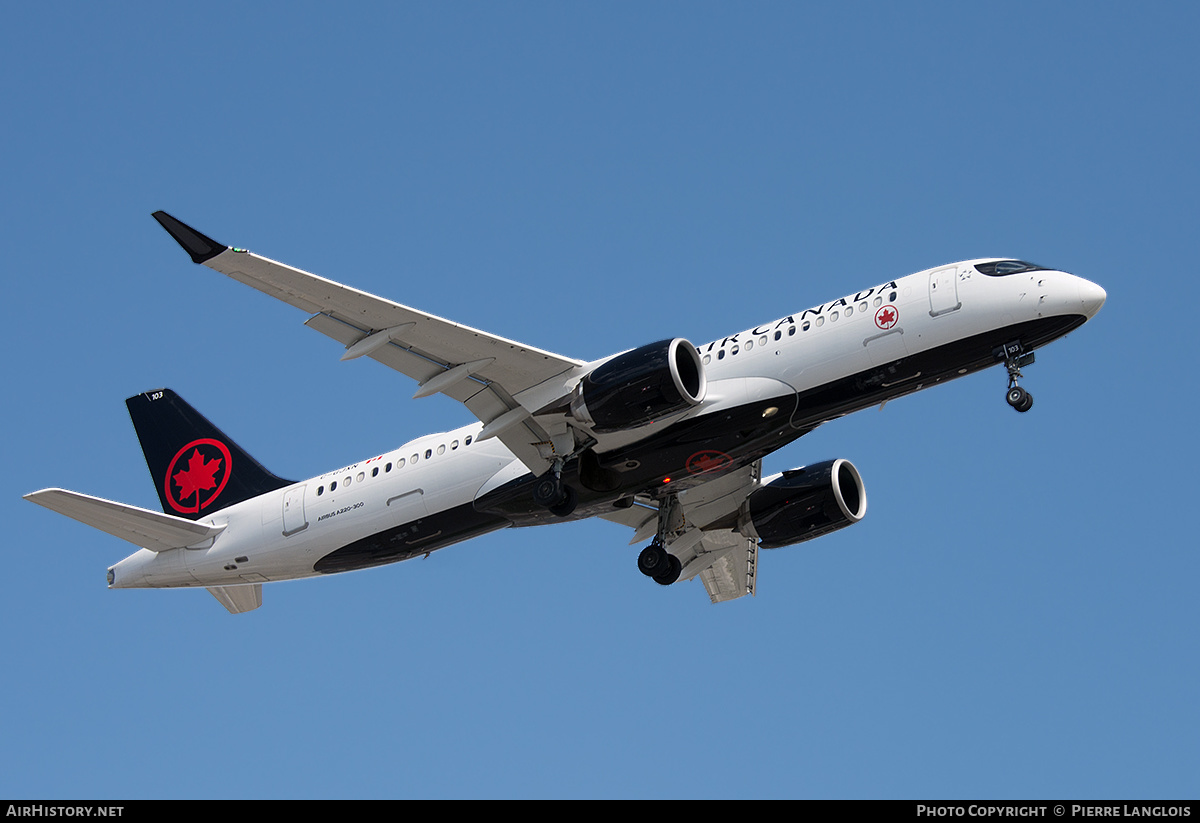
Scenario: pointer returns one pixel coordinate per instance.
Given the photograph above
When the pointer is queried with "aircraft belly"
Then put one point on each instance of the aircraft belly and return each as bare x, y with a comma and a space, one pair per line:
925, 368
694, 451
410, 539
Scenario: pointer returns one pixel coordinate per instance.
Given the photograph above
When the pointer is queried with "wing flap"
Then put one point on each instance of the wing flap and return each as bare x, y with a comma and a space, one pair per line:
147, 529
732, 565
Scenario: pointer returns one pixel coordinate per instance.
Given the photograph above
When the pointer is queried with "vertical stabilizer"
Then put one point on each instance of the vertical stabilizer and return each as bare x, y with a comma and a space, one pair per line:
197, 468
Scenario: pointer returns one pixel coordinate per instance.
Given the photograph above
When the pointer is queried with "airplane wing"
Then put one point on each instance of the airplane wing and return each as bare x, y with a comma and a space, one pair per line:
501, 381
706, 544
147, 529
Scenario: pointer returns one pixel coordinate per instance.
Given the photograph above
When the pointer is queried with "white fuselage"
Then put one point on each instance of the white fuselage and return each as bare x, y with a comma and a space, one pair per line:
282, 534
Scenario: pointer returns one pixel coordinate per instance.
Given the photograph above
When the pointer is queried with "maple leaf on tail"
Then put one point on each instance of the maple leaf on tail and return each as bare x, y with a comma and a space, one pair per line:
197, 477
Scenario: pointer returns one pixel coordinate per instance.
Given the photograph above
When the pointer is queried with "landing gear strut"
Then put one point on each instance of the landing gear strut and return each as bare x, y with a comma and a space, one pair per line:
1014, 358
655, 561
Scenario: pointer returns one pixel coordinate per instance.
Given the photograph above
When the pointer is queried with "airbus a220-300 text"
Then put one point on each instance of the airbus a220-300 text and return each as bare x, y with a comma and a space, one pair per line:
666, 439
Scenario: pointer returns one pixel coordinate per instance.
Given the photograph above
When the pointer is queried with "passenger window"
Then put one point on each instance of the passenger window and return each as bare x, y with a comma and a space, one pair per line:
428, 453
400, 463
333, 485
320, 490
442, 448
375, 472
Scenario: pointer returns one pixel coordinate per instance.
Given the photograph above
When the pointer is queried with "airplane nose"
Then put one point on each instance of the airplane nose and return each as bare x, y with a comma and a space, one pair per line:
1092, 296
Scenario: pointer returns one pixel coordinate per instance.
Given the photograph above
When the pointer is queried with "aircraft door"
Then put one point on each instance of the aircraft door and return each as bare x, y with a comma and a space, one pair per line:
943, 291
293, 511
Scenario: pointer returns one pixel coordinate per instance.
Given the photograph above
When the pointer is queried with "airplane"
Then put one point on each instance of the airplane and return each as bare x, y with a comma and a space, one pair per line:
666, 439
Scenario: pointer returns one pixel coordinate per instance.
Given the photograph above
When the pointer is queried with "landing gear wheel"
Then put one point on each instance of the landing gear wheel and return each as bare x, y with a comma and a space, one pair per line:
1019, 399
548, 491
551, 493
654, 560
566, 505
674, 568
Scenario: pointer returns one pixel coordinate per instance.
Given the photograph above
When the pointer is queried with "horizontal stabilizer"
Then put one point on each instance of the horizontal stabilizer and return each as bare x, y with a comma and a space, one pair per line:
148, 529
238, 599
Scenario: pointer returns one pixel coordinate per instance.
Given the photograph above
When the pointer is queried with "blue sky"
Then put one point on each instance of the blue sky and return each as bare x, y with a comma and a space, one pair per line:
1015, 617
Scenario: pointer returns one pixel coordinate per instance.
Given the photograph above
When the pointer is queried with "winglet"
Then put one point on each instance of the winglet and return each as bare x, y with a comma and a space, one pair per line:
199, 247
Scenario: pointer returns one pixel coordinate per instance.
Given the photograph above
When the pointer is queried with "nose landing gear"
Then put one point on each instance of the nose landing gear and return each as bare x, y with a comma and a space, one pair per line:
1014, 358
1019, 399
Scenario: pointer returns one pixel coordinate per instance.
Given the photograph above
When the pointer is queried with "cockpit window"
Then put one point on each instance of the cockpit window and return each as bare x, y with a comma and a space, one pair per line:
1002, 267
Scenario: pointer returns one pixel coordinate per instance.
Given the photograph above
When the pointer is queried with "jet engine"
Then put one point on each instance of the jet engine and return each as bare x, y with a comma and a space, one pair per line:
640, 386
805, 503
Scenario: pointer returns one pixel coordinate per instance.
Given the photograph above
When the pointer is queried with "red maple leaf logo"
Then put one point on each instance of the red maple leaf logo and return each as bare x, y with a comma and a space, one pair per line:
198, 476
209, 465
885, 318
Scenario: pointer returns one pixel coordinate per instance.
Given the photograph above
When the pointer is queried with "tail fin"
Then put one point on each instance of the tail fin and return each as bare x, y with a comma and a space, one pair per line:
196, 467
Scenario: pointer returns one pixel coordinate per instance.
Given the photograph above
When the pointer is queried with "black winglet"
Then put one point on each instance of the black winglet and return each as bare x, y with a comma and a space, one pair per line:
199, 247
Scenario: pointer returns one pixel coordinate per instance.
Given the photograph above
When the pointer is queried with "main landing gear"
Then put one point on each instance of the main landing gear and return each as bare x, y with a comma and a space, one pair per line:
655, 561
552, 493
1014, 358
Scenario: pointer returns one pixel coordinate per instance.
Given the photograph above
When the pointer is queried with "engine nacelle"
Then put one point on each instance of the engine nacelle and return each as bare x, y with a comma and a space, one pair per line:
805, 503
640, 386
